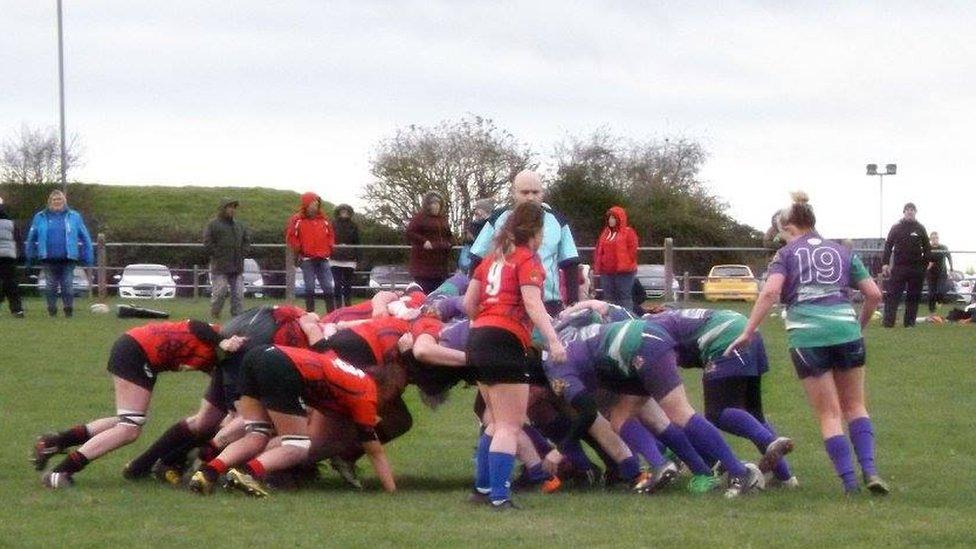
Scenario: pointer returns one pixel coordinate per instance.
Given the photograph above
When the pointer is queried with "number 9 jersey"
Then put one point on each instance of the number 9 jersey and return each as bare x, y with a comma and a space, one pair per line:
818, 274
500, 304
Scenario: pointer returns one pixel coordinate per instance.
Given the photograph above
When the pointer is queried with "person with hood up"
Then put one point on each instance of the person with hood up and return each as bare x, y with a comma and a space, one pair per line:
226, 242
9, 239
430, 241
344, 259
311, 235
615, 259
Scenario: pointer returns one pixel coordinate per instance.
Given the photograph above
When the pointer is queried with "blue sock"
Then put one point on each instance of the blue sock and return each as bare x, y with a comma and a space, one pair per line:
708, 440
482, 480
500, 470
673, 437
629, 468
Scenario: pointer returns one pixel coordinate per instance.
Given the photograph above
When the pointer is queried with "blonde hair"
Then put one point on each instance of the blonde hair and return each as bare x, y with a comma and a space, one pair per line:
54, 193
799, 213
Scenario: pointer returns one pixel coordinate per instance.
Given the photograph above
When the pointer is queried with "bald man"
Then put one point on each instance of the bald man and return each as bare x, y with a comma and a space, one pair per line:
558, 249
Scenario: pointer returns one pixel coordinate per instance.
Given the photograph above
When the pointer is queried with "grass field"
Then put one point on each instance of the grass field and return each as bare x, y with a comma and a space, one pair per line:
922, 397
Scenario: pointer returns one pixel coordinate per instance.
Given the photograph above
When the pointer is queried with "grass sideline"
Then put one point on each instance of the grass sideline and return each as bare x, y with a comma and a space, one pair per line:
921, 388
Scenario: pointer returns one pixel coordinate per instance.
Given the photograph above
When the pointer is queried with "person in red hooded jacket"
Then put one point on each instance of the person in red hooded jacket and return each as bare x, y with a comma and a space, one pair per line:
311, 235
615, 259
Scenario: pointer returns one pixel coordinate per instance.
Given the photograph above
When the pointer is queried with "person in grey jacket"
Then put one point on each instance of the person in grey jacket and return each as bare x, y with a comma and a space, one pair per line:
226, 242
9, 237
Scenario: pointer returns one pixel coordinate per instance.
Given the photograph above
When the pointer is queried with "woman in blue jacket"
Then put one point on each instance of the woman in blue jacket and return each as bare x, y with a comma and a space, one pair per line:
59, 240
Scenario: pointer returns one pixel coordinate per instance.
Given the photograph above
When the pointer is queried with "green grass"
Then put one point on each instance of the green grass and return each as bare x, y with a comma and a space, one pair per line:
921, 387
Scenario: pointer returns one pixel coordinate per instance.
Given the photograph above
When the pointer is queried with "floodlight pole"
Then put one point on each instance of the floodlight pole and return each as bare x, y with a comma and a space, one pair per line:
64, 155
890, 169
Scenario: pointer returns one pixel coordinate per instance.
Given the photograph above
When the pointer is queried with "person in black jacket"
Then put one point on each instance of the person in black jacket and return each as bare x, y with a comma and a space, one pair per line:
938, 275
9, 253
344, 259
906, 257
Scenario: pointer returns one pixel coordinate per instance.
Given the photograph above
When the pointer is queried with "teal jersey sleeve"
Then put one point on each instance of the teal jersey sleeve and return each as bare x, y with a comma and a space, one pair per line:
858, 271
482, 244
567, 246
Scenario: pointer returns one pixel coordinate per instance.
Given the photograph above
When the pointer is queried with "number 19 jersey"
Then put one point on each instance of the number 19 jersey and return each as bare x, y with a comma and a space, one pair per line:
500, 304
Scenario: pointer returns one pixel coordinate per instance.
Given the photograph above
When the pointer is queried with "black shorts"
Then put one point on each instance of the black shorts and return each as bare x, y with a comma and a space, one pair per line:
128, 361
215, 391
497, 355
622, 386
270, 377
351, 347
816, 361
744, 392
230, 375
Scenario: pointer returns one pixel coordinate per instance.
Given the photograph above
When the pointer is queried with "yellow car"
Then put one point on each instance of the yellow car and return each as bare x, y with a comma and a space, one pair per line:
731, 282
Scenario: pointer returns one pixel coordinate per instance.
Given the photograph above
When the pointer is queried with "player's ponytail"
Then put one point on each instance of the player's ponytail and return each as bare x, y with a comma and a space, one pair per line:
799, 213
524, 223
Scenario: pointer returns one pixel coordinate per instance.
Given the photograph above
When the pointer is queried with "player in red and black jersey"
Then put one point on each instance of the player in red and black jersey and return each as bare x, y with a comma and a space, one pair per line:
287, 391
504, 301
137, 357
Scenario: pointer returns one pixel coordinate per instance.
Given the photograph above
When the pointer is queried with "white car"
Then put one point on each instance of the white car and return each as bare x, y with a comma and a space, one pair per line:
147, 281
964, 286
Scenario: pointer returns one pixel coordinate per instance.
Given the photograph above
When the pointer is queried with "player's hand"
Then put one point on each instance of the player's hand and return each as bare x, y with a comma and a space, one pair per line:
557, 352
309, 318
551, 462
886, 271
232, 343
428, 245
740, 341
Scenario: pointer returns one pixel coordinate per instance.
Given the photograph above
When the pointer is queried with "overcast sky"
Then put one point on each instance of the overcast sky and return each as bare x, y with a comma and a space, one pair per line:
295, 94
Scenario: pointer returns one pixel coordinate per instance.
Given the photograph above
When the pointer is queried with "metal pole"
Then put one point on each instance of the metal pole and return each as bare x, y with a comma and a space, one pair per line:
64, 180
881, 205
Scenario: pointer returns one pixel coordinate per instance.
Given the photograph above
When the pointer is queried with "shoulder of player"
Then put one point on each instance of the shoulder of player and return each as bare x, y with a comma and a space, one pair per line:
552, 214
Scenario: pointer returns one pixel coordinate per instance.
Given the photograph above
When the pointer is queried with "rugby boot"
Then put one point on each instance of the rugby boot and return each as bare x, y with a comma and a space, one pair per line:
776, 450
876, 485
242, 482
43, 451
751, 481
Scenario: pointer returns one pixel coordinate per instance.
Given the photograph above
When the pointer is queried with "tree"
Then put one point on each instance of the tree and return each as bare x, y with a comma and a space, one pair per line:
463, 160
33, 156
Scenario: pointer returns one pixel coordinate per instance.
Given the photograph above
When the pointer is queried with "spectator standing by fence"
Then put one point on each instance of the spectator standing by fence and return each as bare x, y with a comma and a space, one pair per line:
938, 274
906, 256
9, 242
226, 242
310, 234
615, 259
59, 240
344, 260
481, 209
430, 238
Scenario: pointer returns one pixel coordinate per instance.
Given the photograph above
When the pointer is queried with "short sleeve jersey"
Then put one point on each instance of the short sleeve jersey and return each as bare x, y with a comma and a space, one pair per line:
331, 383
817, 274
382, 335
500, 304
170, 345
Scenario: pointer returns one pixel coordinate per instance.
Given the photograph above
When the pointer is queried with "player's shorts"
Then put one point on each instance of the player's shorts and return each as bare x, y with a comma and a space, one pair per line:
750, 361
231, 375
497, 355
624, 386
270, 377
568, 380
351, 347
128, 361
816, 361
744, 393
215, 391
659, 370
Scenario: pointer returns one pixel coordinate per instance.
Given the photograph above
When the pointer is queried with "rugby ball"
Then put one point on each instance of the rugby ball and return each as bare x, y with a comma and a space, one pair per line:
99, 308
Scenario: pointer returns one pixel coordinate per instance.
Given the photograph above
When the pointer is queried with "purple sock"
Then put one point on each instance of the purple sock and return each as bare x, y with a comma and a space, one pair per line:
575, 454
862, 437
782, 468
641, 442
674, 438
708, 440
839, 451
741, 423
542, 446
629, 468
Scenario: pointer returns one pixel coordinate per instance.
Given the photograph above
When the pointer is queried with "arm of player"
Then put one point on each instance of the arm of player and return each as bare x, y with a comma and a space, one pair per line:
427, 350
767, 298
381, 302
374, 449
872, 298
532, 297
601, 307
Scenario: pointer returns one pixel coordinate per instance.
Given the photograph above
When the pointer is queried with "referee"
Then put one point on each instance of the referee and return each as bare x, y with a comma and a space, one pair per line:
906, 256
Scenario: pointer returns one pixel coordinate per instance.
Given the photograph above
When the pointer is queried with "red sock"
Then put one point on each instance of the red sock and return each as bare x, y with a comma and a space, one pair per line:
218, 466
255, 468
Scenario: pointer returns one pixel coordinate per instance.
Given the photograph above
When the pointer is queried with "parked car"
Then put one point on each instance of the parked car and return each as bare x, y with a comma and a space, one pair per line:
253, 279
82, 284
731, 282
964, 286
389, 277
147, 281
651, 277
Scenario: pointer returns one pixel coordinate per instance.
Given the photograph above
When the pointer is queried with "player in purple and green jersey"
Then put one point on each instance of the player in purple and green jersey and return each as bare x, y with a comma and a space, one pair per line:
810, 275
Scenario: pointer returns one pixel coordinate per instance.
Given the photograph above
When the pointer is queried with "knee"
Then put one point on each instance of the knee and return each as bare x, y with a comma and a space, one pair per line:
853, 410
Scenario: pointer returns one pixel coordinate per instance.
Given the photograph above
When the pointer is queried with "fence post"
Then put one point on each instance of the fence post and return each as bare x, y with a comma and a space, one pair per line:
196, 282
290, 275
686, 287
102, 262
668, 269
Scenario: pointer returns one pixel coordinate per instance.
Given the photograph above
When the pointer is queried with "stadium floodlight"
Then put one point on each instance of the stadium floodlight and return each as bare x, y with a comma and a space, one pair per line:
64, 180
890, 169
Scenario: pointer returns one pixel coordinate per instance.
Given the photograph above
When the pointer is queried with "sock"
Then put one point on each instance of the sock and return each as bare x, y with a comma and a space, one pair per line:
536, 474
741, 423
500, 469
209, 451
72, 436
213, 469
542, 445
76, 461
576, 456
708, 440
673, 437
255, 468
177, 436
641, 442
862, 437
782, 468
482, 478
629, 468
839, 451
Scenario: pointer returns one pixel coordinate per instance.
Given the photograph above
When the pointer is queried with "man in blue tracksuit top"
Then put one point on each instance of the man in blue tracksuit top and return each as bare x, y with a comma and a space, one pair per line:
59, 240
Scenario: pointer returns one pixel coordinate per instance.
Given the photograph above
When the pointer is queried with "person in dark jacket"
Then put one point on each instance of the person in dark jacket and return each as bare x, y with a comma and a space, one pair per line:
9, 239
430, 241
226, 242
344, 260
310, 234
906, 255
938, 275
615, 259
59, 239
480, 210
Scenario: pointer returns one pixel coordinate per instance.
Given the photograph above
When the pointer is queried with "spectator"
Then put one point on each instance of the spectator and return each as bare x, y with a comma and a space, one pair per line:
615, 259
430, 241
9, 241
558, 249
938, 275
226, 242
906, 254
309, 233
344, 260
59, 240
481, 209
